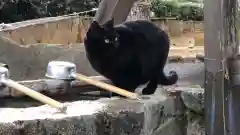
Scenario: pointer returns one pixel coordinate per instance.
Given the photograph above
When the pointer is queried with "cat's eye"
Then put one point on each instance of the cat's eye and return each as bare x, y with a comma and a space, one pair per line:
106, 41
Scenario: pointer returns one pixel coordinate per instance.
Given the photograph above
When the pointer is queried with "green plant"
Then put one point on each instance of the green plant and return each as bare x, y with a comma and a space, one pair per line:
164, 8
159, 8
172, 8
181, 9
190, 12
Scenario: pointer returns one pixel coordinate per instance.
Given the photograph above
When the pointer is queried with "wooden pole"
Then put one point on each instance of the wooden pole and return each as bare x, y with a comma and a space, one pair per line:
119, 9
220, 45
105, 10
121, 15
35, 95
105, 86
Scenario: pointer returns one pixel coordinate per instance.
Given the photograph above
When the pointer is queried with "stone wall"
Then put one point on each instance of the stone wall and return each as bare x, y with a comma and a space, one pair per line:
55, 30
176, 28
71, 29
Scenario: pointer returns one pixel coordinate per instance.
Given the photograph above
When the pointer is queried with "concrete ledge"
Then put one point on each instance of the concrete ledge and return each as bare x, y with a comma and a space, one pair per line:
104, 116
193, 98
50, 30
160, 113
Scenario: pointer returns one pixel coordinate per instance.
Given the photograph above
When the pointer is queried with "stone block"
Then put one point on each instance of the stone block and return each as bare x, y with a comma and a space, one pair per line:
104, 116
53, 30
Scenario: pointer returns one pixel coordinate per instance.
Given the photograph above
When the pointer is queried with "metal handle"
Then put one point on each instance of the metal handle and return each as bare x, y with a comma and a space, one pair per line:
36, 95
105, 86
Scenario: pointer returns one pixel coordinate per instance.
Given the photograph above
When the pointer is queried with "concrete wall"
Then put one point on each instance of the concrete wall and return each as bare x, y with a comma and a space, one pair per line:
29, 62
71, 29
28, 46
55, 30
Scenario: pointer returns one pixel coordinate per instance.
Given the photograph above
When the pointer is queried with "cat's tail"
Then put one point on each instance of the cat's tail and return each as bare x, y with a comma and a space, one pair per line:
171, 79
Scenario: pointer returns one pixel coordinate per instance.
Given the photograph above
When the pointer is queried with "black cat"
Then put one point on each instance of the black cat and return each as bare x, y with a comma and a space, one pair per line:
130, 54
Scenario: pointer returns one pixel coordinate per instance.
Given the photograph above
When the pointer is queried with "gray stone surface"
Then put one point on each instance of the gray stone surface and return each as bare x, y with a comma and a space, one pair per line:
191, 83
189, 73
194, 99
30, 62
195, 124
100, 117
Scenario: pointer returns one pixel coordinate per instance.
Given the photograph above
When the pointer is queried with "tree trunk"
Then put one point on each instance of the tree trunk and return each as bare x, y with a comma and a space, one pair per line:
140, 11
120, 9
105, 10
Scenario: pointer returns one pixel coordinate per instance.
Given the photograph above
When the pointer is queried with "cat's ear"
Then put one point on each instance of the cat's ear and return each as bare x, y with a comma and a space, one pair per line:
110, 23
95, 29
95, 25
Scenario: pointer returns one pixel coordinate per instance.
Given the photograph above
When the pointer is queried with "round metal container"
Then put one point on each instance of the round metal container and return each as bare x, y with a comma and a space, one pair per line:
4, 65
61, 70
4, 74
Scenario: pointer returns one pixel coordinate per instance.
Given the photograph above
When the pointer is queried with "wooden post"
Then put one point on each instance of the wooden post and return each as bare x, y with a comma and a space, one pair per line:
119, 9
220, 45
122, 10
105, 10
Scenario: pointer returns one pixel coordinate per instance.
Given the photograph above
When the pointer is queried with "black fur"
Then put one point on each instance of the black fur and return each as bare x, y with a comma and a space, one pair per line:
130, 54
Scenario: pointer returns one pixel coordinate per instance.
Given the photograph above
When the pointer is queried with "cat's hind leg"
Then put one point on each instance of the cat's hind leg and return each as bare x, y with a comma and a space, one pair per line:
161, 79
151, 87
126, 86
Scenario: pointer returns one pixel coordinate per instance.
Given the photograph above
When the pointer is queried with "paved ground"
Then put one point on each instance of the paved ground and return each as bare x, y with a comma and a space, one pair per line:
189, 73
